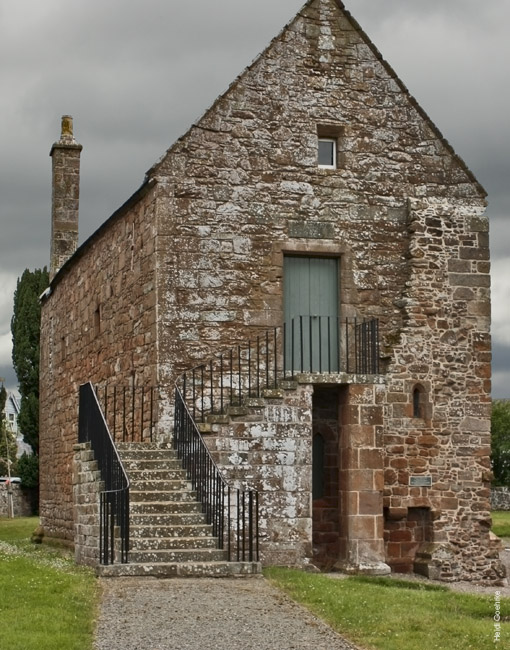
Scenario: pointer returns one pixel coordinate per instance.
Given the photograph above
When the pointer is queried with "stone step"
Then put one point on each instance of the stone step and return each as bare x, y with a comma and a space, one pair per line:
169, 535
148, 454
159, 475
181, 569
138, 489
154, 543
146, 528
144, 446
158, 556
180, 495
155, 485
168, 519
163, 507
171, 464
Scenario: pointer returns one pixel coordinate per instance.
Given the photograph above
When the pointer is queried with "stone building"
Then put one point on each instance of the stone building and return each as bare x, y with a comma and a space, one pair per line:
316, 211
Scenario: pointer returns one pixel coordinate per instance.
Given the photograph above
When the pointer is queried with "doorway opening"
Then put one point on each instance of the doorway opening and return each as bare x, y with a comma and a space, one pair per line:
325, 476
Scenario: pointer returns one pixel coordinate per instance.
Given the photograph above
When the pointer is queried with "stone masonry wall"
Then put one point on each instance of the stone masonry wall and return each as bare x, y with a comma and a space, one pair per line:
21, 500
403, 215
86, 488
231, 198
271, 450
242, 188
98, 324
444, 348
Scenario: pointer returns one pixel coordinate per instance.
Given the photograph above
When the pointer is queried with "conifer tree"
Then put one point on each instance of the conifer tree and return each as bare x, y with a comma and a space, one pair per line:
25, 328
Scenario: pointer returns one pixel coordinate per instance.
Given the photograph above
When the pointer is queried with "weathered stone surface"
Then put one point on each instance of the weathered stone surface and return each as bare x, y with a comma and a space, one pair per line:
193, 264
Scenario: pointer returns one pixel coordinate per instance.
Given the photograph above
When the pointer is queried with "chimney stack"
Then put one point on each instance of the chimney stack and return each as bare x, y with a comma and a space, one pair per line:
65, 196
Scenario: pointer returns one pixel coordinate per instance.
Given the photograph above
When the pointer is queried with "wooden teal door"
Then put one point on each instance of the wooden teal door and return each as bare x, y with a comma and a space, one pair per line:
310, 286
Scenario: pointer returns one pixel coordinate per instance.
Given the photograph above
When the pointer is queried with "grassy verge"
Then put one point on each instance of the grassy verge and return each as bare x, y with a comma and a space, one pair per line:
47, 601
501, 523
387, 614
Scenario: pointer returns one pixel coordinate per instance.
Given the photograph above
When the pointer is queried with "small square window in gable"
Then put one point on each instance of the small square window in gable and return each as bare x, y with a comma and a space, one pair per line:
329, 137
327, 153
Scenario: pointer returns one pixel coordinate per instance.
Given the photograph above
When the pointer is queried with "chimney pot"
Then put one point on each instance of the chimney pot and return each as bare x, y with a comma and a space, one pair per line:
67, 129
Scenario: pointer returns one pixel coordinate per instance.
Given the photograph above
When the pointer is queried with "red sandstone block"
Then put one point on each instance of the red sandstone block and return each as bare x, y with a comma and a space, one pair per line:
394, 515
360, 394
398, 450
390, 476
408, 550
401, 566
401, 536
370, 459
350, 415
427, 440
362, 527
360, 480
393, 550
370, 503
379, 480
349, 459
449, 503
371, 415
417, 463
359, 435
351, 503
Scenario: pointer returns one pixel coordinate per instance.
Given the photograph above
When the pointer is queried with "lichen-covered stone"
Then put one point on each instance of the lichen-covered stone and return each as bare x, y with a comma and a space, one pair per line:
192, 265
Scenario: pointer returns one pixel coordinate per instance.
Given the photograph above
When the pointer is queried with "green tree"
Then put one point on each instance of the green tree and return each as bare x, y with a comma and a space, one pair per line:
25, 328
8, 446
28, 471
500, 432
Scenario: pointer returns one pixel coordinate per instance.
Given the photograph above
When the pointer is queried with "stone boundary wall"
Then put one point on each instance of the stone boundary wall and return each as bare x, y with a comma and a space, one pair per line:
500, 498
21, 500
86, 488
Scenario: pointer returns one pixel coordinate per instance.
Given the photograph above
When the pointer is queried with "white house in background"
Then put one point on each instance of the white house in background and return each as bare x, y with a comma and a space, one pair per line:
12, 407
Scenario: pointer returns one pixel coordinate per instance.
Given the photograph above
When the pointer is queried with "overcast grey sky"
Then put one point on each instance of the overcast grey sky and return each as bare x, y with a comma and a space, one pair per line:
136, 73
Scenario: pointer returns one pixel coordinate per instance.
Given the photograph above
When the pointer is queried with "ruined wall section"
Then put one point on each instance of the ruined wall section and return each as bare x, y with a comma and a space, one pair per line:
444, 351
98, 324
244, 188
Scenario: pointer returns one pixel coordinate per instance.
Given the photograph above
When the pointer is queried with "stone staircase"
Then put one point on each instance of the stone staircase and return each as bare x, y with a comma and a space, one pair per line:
169, 535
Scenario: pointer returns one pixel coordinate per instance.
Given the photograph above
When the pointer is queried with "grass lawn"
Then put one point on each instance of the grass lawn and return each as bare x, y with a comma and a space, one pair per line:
47, 602
387, 614
501, 523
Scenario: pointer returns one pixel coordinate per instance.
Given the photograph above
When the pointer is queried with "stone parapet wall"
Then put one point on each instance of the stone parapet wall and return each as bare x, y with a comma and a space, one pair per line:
86, 487
500, 498
21, 501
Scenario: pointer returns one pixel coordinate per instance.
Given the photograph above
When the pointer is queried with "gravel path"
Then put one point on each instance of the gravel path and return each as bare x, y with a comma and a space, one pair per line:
220, 614
206, 614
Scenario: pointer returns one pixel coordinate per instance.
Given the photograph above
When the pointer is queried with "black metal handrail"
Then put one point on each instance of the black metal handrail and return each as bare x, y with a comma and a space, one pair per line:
306, 344
114, 498
130, 411
233, 513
